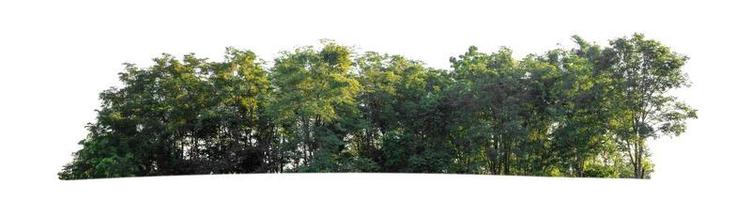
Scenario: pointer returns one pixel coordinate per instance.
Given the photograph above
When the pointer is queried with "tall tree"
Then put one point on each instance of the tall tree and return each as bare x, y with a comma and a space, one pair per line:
644, 71
499, 97
315, 96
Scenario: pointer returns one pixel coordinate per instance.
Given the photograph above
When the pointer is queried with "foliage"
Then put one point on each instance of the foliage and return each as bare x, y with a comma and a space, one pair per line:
583, 112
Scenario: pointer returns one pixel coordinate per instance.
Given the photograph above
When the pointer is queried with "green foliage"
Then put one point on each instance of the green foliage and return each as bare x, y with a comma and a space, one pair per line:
315, 102
584, 112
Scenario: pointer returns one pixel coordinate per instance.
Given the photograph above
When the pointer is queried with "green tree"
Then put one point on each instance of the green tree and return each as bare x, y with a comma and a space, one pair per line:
404, 107
315, 101
499, 98
644, 71
179, 117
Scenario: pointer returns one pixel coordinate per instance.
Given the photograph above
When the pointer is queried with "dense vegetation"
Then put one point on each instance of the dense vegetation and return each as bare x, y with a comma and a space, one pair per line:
583, 112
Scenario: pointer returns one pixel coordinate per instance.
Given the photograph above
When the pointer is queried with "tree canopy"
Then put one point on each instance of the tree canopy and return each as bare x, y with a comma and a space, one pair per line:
581, 112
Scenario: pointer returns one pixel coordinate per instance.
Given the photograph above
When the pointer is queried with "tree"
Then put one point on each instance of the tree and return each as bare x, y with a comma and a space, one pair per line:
495, 94
315, 98
404, 108
644, 71
179, 117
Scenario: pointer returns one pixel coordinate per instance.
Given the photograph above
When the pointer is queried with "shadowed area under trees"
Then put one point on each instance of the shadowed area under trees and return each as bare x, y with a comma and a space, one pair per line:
581, 112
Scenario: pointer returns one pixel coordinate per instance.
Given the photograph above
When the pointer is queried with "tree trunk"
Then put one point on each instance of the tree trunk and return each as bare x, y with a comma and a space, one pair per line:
507, 158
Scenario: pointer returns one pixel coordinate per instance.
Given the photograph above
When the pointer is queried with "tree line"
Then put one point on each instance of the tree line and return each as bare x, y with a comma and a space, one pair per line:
581, 112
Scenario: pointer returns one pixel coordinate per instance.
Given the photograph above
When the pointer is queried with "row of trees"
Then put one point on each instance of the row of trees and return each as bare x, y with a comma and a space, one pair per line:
584, 112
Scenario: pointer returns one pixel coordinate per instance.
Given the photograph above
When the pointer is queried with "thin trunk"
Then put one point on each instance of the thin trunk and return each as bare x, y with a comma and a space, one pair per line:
507, 157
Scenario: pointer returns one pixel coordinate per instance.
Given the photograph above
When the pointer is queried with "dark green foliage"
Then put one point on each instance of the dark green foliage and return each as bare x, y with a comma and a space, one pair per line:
584, 112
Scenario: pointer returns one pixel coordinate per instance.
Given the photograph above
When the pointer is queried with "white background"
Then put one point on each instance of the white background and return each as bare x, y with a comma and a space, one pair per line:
56, 56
